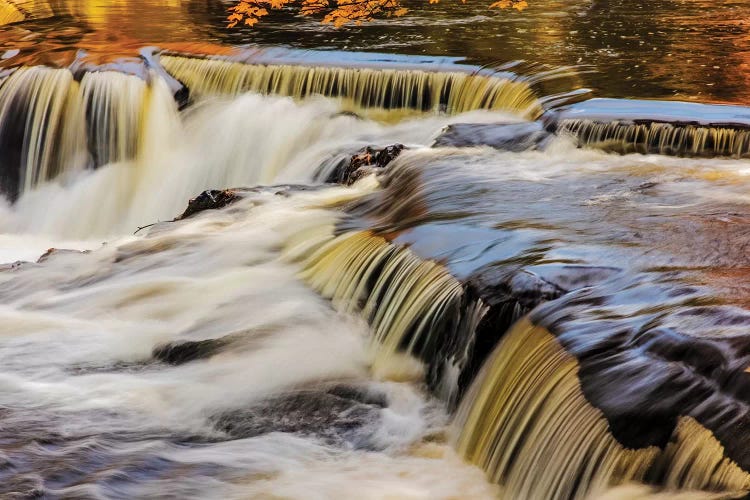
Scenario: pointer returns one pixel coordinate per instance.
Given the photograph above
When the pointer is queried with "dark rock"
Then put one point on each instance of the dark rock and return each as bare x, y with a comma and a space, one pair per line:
514, 137
177, 353
338, 415
366, 161
209, 200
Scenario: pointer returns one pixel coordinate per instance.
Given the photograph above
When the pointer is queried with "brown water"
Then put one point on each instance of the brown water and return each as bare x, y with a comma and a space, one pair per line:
681, 49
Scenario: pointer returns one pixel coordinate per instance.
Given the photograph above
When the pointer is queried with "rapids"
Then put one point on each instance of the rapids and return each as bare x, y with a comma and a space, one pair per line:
502, 308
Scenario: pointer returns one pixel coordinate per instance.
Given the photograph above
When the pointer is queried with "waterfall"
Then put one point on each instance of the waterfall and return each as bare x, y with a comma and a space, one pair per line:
528, 424
413, 306
525, 420
40, 126
115, 105
659, 138
546, 416
660, 127
51, 124
440, 270
360, 89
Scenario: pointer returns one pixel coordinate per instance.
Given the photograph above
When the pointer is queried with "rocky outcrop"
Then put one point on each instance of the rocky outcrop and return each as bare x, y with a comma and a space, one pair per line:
211, 199
369, 160
513, 137
55, 252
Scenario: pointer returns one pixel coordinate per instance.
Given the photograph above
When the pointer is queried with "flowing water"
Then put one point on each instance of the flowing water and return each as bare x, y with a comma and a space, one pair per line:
531, 297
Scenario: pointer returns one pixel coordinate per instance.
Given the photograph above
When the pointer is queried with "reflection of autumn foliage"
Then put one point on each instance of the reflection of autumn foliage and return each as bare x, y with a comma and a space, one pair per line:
336, 12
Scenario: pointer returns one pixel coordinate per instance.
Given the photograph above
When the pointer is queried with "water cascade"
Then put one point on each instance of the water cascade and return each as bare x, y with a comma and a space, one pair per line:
415, 307
504, 295
659, 138
669, 128
526, 419
526, 413
546, 417
40, 126
360, 89
114, 105
50, 123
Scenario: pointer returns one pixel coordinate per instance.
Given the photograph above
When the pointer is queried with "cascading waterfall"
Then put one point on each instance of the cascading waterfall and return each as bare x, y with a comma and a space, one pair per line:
526, 413
413, 306
660, 127
659, 138
114, 104
40, 126
526, 420
358, 88
51, 124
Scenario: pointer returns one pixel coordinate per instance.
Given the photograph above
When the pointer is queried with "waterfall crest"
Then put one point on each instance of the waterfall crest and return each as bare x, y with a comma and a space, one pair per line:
360, 89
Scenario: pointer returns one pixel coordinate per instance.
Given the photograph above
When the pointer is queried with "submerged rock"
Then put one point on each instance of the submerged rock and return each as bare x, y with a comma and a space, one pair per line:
178, 353
13, 266
514, 137
339, 415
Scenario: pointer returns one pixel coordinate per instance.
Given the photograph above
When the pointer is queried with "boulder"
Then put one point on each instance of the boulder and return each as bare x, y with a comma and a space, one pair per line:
514, 137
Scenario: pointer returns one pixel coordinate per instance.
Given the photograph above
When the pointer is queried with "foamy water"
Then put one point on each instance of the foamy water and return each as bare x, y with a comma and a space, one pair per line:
89, 412
79, 384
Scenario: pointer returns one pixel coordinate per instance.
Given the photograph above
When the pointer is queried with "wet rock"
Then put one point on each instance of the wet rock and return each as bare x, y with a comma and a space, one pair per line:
145, 67
180, 91
514, 137
646, 370
365, 162
284, 190
178, 353
339, 416
211, 199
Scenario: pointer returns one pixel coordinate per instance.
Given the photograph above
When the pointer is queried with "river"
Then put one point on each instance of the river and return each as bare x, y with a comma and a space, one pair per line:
536, 294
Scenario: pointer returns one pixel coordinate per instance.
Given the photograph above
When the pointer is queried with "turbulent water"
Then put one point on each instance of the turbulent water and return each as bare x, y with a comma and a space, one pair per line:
396, 277
86, 409
295, 398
